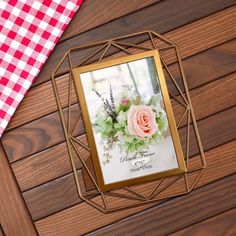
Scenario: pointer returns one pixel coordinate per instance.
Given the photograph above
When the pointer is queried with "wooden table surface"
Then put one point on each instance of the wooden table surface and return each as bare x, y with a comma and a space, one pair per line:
34, 143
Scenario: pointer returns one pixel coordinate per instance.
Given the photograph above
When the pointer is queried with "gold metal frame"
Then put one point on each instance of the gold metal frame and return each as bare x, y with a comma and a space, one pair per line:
79, 151
88, 126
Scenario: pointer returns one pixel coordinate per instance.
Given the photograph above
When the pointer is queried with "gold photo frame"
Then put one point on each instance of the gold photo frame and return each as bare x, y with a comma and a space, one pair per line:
131, 180
79, 154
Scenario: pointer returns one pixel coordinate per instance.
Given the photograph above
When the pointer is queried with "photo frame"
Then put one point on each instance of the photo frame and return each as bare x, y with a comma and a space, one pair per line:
115, 131
78, 150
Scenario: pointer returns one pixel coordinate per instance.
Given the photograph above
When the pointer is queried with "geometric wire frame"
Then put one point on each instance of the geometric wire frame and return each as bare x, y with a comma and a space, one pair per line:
79, 151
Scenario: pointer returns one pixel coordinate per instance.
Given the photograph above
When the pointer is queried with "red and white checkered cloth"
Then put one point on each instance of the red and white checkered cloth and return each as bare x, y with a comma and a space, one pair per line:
29, 30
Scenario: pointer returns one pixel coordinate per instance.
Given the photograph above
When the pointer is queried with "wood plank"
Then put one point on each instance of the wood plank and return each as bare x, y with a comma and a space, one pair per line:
202, 68
208, 65
155, 17
43, 167
178, 213
14, 216
191, 39
53, 163
82, 218
28, 137
220, 225
95, 13
214, 131
50, 198
219, 94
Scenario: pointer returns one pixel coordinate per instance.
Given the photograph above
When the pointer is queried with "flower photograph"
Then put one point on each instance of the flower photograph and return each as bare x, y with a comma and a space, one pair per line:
129, 121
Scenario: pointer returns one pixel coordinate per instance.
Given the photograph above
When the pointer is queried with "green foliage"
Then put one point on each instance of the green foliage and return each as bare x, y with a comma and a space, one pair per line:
105, 126
162, 123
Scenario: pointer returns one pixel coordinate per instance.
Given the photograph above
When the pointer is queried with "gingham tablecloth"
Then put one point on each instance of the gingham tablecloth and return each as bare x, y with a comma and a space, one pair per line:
29, 30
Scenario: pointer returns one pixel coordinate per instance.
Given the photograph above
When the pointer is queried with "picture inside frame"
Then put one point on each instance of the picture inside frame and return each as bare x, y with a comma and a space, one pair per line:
129, 120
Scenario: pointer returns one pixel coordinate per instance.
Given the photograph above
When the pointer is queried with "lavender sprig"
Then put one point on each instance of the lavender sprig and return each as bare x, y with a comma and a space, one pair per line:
112, 98
108, 107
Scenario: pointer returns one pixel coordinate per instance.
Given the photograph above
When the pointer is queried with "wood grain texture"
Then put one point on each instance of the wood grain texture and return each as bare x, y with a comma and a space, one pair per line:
219, 95
192, 38
43, 167
52, 197
208, 65
221, 225
14, 217
214, 131
53, 163
200, 69
36, 136
95, 13
204, 31
155, 17
181, 212
74, 221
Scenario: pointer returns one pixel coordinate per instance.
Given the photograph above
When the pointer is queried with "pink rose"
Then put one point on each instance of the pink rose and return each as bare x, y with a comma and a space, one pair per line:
141, 121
